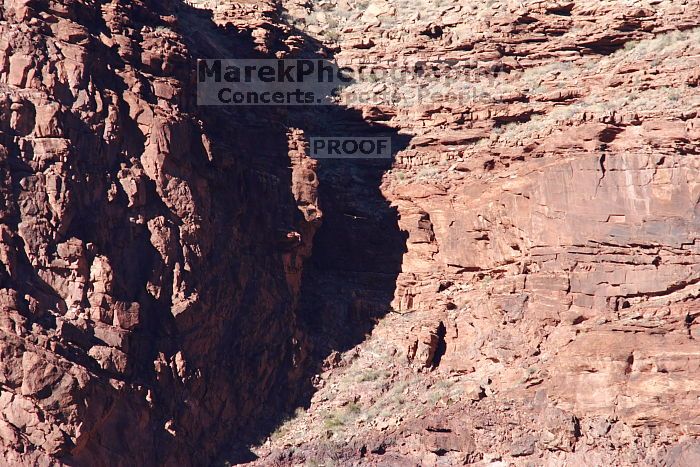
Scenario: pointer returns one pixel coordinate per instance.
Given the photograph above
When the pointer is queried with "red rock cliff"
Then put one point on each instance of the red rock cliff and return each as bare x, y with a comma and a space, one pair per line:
519, 286
147, 283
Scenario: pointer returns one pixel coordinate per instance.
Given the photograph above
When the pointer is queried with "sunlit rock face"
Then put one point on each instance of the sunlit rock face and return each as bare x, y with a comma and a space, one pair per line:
545, 309
518, 285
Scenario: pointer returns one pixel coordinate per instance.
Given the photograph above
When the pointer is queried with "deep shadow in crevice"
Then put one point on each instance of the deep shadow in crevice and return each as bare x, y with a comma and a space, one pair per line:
350, 278
441, 345
252, 344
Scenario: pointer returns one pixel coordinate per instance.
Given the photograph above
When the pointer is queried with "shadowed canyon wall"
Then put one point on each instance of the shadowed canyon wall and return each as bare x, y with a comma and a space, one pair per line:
518, 285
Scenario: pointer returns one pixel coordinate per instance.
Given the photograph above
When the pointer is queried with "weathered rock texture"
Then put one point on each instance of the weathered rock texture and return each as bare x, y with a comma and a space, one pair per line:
545, 313
172, 277
150, 251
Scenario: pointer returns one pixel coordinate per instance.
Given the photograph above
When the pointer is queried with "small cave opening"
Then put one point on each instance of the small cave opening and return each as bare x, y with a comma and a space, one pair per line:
441, 345
630, 364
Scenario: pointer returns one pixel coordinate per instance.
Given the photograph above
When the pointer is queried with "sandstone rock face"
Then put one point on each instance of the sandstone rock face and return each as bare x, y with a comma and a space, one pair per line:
147, 294
548, 293
519, 286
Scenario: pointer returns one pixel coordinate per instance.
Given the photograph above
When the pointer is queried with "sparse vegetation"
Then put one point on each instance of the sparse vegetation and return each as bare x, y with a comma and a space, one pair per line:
341, 417
371, 375
428, 172
284, 427
332, 35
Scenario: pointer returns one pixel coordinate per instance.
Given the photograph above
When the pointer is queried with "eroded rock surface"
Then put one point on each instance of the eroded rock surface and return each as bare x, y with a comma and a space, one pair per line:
548, 297
173, 277
148, 286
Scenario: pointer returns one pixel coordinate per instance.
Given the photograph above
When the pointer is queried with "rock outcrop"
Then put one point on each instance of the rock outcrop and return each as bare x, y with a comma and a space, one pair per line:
518, 286
548, 297
147, 287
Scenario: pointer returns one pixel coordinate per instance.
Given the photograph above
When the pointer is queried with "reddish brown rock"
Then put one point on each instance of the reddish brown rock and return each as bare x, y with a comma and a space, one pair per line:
131, 233
551, 221
529, 259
